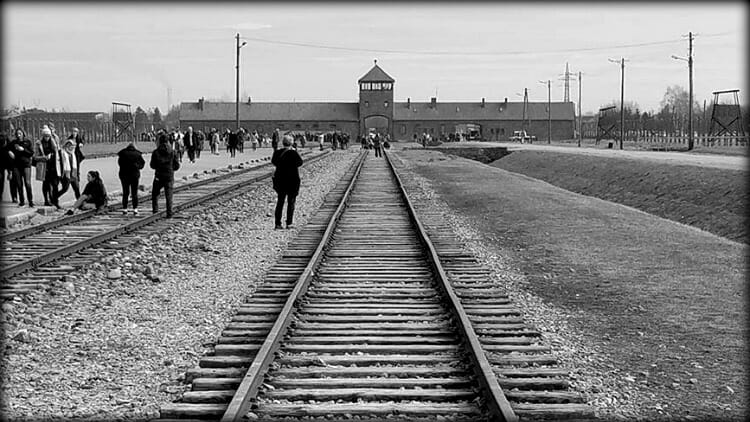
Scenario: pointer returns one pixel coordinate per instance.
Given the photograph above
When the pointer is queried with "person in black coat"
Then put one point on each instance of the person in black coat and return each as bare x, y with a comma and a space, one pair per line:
165, 162
6, 167
190, 140
22, 151
131, 162
94, 195
286, 180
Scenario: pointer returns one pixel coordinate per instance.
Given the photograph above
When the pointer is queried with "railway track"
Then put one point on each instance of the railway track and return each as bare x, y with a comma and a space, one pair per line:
30, 257
360, 320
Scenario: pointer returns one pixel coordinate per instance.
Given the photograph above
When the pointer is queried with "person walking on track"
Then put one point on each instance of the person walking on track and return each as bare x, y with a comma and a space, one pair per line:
165, 162
286, 180
376, 145
131, 162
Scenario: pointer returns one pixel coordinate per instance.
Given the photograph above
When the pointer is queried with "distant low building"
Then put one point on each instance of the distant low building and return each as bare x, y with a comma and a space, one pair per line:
31, 121
377, 112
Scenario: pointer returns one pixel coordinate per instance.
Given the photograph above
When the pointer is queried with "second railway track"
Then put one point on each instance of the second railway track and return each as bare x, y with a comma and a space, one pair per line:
359, 320
29, 256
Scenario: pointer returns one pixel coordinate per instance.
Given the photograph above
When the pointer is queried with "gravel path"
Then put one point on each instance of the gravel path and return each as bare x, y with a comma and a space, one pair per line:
590, 376
99, 348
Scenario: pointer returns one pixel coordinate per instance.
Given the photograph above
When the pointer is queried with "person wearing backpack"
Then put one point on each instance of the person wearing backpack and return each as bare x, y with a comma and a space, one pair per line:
286, 180
165, 162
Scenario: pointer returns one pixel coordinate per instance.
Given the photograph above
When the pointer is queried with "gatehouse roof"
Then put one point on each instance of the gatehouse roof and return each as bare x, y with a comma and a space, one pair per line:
376, 74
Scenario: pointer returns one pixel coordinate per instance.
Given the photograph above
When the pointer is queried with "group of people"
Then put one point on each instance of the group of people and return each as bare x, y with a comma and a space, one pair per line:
376, 142
58, 168
193, 142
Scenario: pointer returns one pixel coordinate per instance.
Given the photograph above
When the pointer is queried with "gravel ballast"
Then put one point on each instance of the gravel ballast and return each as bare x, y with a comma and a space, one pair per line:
113, 341
589, 375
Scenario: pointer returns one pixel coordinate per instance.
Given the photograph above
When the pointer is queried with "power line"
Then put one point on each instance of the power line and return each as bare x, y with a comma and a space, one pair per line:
467, 53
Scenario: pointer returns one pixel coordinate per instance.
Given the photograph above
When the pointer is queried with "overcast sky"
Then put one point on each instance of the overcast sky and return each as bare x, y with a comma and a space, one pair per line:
83, 56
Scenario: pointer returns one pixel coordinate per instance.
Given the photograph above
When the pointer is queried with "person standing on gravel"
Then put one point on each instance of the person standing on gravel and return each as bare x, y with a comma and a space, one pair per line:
275, 139
189, 140
165, 162
131, 162
286, 180
22, 151
376, 145
200, 139
47, 160
215, 140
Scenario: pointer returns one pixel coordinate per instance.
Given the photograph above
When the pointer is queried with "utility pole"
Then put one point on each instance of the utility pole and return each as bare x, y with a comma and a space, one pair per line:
566, 97
580, 119
622, 102
525, 109
549, 109
622, 97
690, 104
689, 60
237, 99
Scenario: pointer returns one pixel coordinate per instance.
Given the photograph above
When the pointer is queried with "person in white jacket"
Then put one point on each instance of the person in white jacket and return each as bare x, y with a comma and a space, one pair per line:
69, 168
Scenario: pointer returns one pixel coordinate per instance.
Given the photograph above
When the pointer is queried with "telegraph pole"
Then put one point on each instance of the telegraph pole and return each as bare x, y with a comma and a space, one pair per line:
237, 80
525, 105
237, 99
622, 97
580, 119
549, 109
622, 102
689, 60
690, 104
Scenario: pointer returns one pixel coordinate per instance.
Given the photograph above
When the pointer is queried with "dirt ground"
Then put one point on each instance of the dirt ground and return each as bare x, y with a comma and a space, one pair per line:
663, 303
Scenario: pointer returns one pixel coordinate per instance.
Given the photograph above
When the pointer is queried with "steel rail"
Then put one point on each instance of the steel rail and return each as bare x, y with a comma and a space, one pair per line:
248, 388
39, 228
135, 224
495, 399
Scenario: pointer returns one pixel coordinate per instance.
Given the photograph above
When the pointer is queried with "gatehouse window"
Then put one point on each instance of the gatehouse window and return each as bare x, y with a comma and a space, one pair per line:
367, 104
365, 86
403, 129
385, 103
387, 86
376, 86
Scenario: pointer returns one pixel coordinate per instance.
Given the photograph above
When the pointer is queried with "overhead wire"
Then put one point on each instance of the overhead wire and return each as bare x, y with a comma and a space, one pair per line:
468, 53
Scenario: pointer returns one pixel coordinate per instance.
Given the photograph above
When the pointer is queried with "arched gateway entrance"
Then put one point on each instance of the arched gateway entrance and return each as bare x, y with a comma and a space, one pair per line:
377, 124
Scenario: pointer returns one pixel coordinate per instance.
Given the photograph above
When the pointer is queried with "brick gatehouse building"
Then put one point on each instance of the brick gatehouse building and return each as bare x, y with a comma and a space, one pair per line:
376, 111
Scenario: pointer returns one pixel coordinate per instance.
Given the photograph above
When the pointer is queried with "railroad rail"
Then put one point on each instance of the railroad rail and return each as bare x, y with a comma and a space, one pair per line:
365, 318
33, 247
367, 326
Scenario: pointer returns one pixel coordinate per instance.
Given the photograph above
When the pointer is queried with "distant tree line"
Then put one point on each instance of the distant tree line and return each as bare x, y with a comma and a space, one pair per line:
673, 115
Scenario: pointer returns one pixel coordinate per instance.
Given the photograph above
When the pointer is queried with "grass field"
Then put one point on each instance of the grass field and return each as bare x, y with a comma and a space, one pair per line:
711, 199
662, 302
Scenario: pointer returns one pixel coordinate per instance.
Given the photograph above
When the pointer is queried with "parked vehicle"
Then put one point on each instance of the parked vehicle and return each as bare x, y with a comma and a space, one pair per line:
469, 131
522, 137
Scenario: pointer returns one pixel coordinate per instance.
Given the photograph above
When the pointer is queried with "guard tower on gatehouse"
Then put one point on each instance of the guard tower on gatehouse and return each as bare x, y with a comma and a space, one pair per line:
376, 102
